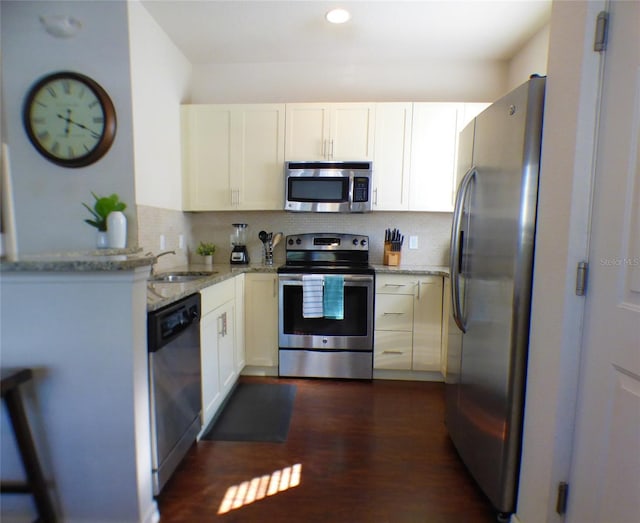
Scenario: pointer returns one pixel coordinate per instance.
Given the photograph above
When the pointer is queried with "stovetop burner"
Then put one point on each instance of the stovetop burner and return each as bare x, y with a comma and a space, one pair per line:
327, 252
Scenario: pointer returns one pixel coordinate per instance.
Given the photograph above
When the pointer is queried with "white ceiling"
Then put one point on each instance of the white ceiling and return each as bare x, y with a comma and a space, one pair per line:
238, 31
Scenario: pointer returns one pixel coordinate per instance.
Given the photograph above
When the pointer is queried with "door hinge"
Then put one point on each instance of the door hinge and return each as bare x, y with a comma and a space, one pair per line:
581, 278
561, 502
602, 28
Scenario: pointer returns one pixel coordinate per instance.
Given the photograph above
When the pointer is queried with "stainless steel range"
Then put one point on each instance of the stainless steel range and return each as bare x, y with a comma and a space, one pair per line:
326, 307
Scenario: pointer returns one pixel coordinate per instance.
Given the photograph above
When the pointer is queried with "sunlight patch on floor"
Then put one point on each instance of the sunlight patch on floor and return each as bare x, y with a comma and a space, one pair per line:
260, 487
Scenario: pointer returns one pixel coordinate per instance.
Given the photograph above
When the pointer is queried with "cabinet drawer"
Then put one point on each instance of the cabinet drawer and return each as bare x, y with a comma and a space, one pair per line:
395, 284
394, 312
392, 350
216, 295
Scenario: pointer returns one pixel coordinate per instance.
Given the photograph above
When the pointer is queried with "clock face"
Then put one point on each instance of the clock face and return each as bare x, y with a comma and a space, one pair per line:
70, 119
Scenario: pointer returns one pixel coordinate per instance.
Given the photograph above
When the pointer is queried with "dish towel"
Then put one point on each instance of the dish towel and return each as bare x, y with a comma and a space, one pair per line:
312, 295
334, 297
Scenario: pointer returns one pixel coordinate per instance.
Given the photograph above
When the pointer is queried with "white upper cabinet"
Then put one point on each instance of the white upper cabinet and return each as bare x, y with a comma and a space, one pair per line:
391, 156
342, 131
233, 157
206, 156
433, 152
466, 134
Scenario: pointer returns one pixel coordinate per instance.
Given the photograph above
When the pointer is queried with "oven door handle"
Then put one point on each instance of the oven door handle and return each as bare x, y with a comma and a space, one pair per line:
349, 279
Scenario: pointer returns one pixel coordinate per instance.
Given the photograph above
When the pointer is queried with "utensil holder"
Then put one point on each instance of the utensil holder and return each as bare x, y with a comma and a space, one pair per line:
268, 253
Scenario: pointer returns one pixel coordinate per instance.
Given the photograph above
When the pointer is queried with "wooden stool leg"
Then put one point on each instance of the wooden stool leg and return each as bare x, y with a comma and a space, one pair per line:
27, 450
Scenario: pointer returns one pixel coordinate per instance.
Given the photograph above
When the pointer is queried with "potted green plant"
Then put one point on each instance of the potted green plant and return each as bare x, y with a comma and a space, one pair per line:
102, 207
206, 250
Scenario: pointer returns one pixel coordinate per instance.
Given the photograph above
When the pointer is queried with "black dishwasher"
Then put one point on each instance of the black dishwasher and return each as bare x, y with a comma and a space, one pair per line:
174, 384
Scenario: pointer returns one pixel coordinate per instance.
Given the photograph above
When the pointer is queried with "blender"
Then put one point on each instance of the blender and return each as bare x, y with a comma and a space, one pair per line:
239, 254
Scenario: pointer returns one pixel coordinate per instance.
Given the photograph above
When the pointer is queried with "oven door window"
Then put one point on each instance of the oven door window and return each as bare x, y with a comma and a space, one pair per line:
355, 314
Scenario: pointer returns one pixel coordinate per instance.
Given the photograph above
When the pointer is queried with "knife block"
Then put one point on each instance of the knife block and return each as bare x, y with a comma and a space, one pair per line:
390, 257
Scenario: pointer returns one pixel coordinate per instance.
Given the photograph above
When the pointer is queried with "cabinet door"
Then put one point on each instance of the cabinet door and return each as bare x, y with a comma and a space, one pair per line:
330, 131
239, 323
226, 348
394, 312
466, 134
427, 326
307, 131
261, 319
206, 157
392, 350
352, 132
433, 150
211, 389
391, 156
258, 156
395, 284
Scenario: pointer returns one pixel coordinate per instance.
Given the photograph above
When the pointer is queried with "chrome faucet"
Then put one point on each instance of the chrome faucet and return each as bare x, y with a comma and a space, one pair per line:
153, 265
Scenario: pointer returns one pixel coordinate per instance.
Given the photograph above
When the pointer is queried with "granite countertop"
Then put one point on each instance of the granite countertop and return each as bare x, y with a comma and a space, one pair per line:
98, 260
162, 294
422, 270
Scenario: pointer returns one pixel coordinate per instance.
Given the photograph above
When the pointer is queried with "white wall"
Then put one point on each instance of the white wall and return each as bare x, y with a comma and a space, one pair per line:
49, 214
326, 82
160, 76
554, 350
531, 59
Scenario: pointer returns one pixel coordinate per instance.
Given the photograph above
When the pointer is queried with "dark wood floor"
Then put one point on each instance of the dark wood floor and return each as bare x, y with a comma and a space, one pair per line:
367, 452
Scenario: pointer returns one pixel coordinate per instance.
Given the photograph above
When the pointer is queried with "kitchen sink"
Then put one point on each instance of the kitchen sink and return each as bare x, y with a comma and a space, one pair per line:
180, 277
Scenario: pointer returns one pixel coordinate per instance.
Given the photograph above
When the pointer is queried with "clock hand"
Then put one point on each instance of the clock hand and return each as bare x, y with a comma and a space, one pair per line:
70, 121
66, 129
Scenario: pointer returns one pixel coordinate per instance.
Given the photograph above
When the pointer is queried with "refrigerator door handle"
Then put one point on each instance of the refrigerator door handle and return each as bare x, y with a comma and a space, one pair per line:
455, 254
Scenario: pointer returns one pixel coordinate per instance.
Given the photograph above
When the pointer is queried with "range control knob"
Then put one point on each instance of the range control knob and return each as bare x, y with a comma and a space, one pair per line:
298, 241
355, 241
363, 242
290, 241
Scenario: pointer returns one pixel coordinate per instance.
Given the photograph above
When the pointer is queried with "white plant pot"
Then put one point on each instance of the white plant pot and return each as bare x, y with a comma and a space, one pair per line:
117, 230
207, 260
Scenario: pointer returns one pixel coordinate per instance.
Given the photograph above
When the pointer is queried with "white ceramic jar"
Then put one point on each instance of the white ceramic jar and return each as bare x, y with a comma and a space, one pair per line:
117, 230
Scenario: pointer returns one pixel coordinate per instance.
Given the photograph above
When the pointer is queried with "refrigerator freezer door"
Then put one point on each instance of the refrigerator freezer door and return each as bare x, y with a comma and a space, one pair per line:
495, 268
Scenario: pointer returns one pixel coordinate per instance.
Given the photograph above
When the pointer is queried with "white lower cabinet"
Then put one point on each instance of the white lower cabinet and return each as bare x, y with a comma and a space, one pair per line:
239, 323
217, 346
261, 320
427, 324
408, 323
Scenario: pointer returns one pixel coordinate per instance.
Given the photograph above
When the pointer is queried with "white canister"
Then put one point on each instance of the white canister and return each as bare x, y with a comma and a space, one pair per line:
117, 230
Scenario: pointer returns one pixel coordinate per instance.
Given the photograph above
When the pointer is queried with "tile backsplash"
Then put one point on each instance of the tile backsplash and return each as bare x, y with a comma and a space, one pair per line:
432, 230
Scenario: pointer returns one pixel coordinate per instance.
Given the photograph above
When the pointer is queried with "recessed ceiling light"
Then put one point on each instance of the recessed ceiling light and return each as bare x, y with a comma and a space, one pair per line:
338, 16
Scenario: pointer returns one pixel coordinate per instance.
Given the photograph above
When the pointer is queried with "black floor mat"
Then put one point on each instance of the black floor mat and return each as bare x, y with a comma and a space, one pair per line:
255, 412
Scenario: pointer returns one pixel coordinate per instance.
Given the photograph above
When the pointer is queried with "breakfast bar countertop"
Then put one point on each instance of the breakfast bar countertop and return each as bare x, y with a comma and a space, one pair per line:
89, 261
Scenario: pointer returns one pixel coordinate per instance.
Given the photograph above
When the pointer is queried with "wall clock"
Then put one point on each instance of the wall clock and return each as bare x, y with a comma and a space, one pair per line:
69, 119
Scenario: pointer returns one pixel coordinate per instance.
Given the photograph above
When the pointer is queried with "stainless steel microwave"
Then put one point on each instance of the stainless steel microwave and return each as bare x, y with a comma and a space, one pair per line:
328, 186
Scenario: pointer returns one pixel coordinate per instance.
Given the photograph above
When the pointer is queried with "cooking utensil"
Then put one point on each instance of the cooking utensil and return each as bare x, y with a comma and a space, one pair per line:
263, 236
277, 238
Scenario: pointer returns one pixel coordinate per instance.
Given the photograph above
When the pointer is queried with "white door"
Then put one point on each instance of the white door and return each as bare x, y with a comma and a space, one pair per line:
605, 479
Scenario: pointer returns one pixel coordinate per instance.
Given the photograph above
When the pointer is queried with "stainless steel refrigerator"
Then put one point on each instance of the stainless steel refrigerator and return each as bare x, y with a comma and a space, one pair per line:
491, 262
